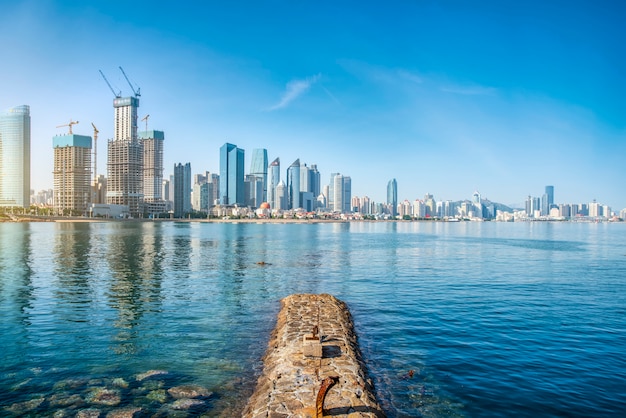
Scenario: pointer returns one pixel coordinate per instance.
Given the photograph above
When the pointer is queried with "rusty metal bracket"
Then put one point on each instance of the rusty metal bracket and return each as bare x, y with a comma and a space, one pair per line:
321, 395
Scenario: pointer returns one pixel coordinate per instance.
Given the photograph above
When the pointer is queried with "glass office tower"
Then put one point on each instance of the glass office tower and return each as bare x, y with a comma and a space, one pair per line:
15, 157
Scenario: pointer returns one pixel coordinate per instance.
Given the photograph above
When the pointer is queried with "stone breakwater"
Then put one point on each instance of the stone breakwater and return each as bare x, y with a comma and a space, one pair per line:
314, 340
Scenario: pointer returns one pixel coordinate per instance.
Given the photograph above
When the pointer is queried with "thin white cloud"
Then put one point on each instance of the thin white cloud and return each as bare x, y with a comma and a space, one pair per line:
470, 90
295, 89
407, 75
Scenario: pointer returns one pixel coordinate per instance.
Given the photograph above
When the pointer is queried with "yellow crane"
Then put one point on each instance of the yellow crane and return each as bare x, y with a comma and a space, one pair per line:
95, 153
72, 122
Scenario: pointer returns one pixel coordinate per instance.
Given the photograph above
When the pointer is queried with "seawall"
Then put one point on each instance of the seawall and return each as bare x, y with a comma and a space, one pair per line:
313, 347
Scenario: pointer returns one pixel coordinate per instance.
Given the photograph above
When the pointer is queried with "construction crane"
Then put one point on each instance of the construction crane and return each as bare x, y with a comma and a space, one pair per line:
95, 153
117, 95
145, 118
138, 92
72, 122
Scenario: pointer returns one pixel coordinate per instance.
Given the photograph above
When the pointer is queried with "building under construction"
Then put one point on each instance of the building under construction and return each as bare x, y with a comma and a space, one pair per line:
72, 173
152, 142
125, 159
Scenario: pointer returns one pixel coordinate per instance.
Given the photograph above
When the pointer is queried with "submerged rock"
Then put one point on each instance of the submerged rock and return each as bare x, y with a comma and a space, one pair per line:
88, 413
185, 404
120, 383
26, 406
189, 391
158, 395
104, 396
149, 373
66, 399
128, 412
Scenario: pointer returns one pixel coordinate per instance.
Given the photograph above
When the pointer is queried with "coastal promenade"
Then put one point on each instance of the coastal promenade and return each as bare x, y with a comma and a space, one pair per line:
313, 365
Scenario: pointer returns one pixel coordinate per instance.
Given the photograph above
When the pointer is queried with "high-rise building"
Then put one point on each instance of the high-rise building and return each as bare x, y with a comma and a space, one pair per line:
72, 173
281, 196
15, 157
347, 194
258, 168
153, 171
125, 158
254, 190
392, 196
331, 192
273, 180
182, 189
232, 190
293, 185
337, 203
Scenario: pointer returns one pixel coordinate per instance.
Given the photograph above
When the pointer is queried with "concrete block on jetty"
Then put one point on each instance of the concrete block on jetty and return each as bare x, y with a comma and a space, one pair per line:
313, 365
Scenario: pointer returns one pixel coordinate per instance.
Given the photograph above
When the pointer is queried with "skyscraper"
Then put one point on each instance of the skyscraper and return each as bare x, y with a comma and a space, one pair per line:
125, 158
258, 168
152, 142
72, 173
274, 179
293, 185
337, 203
347, 194
392, 196
232, 189
15, 157
182, 189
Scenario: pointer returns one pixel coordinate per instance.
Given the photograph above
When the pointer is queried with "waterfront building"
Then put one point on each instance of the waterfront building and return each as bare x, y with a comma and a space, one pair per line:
293, 185
595, 209
273, 180
72, 173
547, 200
152, 142
15, 157
331, 191
100, 190
281, 196
419, 209
337, 203
125, 158
232, 190
430, 205
254, 190
347, 194
258, 168
404, 209
392, 196
182, 189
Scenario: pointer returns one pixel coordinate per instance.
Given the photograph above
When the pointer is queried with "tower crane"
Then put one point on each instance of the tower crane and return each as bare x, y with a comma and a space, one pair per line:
145, 118
117, 95
95, 153
72, 122
138, 92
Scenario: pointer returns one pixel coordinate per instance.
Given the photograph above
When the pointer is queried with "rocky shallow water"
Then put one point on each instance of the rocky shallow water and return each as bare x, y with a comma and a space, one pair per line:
156, 393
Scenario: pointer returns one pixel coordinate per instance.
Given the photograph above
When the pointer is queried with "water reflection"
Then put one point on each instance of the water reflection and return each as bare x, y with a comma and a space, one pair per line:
72, 268
135, 261
17, 292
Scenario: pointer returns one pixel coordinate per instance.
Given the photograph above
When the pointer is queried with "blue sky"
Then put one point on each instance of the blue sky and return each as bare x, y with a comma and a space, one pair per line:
448, 97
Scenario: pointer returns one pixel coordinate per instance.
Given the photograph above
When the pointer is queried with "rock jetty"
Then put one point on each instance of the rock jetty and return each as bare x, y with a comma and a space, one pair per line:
313, 365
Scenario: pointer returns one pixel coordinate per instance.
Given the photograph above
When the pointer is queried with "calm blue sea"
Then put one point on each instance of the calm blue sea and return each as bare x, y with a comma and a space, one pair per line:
495, 319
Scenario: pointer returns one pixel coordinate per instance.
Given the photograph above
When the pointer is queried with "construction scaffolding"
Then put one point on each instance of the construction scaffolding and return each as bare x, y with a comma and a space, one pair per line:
153, 171
125, 175
72, 177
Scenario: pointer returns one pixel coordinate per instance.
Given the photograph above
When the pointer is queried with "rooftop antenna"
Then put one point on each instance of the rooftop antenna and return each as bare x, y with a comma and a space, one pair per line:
117, 95
72, 122
138, 92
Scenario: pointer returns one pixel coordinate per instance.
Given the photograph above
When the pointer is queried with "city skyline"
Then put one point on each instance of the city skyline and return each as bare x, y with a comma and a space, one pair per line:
444, 97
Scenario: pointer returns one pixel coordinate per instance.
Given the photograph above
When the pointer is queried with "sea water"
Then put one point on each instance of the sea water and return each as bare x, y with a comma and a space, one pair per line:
494, 319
